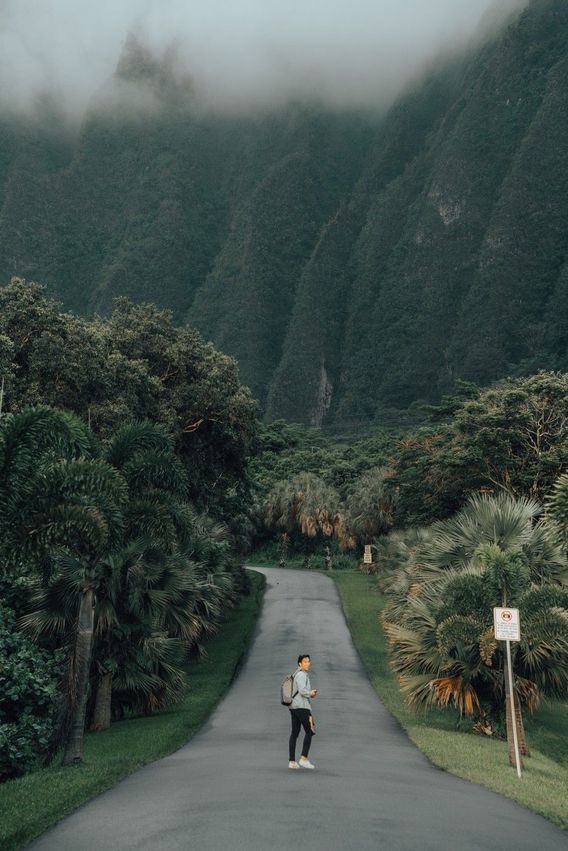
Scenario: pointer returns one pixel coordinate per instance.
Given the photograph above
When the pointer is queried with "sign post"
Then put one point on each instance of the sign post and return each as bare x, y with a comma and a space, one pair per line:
368, 555
507, 628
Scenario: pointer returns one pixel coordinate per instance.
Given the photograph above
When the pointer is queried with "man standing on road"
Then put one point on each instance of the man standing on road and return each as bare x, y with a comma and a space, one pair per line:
301, 713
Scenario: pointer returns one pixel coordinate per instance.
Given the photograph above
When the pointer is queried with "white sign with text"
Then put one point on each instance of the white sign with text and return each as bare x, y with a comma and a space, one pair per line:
507, 624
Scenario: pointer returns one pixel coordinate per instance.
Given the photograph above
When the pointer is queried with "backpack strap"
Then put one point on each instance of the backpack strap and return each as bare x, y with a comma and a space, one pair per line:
293, 684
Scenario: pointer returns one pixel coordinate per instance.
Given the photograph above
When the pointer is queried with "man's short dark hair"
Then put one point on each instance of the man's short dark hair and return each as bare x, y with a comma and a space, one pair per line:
303, 656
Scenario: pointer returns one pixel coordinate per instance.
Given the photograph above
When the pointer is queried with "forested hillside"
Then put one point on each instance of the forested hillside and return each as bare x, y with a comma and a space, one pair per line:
353, 263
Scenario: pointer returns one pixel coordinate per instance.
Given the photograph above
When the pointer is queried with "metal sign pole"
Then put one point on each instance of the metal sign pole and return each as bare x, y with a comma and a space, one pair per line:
507, 628
513, 713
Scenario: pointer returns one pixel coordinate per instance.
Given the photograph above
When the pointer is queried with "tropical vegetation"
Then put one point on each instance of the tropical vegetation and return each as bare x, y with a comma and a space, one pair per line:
450, 744
31, 803
29, 699
439, 613
116, 437
306, 508
123, 577
135, 365
511, 437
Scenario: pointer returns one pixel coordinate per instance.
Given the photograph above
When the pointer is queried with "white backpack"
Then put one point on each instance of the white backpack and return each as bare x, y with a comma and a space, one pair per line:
287, 693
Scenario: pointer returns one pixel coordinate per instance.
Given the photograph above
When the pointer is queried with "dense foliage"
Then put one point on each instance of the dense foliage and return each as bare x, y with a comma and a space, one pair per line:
352, 264
439, 615
511, 437
294, 461
29, 700
107, 553
112, 551
286, 450
134, 365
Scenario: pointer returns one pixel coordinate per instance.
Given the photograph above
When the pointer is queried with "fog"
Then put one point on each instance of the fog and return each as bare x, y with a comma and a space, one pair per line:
239, 53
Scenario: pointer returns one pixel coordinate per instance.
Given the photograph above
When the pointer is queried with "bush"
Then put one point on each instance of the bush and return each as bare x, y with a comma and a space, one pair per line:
15, 592
344, 561
29, 700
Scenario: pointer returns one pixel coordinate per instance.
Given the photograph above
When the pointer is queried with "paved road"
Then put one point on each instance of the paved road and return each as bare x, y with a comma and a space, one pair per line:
230, 787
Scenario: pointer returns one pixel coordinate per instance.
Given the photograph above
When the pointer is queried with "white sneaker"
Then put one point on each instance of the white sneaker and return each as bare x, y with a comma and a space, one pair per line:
305, 763
293, 764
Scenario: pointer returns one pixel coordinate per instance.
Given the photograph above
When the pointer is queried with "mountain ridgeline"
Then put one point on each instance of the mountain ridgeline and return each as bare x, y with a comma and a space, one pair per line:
353, 264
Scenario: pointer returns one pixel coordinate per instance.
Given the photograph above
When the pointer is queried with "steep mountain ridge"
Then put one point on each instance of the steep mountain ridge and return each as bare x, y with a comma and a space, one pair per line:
352, 263
437, 291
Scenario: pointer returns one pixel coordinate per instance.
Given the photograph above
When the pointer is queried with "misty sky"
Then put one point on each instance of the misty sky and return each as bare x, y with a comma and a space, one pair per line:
238, 52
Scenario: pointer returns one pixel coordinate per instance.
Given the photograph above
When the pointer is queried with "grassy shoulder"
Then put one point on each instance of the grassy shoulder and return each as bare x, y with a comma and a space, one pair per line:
30, 804
473, 757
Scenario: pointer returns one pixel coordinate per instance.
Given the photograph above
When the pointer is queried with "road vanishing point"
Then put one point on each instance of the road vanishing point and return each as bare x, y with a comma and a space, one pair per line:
230, 789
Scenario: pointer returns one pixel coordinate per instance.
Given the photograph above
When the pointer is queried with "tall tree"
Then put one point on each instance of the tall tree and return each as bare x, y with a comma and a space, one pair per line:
369, 510
56, 498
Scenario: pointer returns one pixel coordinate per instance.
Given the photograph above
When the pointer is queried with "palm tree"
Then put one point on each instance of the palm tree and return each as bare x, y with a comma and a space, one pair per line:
557, 511
124, 559
144, 626
166, 587
370, 506
305, 505
440, 628
399, 555
500, 519
57, 500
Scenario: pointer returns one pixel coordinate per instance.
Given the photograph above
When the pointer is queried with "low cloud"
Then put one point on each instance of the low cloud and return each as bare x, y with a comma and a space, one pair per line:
238, 52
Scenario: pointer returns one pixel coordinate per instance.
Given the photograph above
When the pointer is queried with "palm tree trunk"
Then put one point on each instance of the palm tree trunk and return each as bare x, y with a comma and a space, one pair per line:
521, 738
80, 674
518, 721
525, 750
101, 715
284, 542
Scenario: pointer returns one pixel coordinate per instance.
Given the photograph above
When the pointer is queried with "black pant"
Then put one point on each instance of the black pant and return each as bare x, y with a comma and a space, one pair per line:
300, 718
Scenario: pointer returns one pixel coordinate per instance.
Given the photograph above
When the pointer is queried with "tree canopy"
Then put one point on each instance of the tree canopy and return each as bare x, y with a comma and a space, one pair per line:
134, 365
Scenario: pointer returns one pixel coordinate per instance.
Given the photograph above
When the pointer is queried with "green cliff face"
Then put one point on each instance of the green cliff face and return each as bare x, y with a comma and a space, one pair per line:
353, 264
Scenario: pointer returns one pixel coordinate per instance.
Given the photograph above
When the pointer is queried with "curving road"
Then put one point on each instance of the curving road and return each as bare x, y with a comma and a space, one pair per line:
230, 787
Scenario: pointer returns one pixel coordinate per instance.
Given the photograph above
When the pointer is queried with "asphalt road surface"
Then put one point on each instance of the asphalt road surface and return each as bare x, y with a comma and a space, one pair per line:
230, 787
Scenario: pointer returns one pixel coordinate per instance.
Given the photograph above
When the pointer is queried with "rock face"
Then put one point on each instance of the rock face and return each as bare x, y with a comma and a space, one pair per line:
353, 264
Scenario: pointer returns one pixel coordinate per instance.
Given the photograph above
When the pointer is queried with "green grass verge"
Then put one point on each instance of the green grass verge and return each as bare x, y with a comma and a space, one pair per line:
476, 758
30, 804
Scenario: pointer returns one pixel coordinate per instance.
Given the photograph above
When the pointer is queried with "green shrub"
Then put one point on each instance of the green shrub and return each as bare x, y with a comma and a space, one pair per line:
345, 561
29, 700
14, 592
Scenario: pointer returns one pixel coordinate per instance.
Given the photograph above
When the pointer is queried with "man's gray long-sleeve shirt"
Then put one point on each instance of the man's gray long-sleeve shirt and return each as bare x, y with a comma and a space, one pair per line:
303, 687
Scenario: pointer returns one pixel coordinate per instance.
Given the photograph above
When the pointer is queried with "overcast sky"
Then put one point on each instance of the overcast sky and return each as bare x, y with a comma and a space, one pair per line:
237, 51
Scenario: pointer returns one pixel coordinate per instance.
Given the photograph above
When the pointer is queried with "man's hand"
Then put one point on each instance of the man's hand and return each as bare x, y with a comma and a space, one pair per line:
312, 724
313, 692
